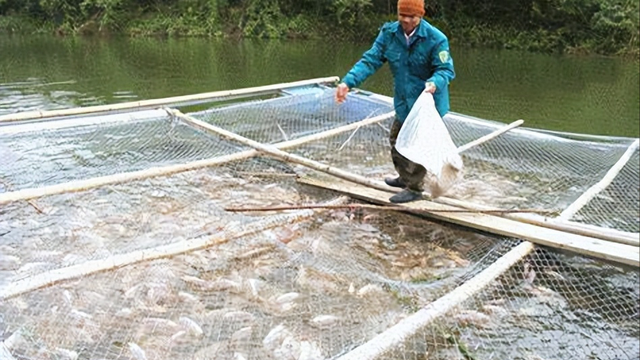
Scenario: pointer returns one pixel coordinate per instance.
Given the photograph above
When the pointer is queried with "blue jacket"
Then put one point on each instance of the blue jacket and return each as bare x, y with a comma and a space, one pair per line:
426, 58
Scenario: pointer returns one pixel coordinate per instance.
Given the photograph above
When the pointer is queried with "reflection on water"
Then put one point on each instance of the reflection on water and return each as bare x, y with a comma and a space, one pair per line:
266, 295
577, 94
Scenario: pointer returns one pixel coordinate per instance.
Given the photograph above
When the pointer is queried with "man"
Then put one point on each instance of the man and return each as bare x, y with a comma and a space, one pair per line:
418, 55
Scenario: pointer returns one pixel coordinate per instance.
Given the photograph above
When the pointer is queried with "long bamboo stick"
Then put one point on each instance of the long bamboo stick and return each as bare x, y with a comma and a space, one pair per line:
145, 104
613, 235
490, 136
270, 150
117, 261
554, 223
5, 354
573, 228
275, 152
81, 185
601, 185
86, 184
380, 207
29, 126
396, 335
30, 202
626, 237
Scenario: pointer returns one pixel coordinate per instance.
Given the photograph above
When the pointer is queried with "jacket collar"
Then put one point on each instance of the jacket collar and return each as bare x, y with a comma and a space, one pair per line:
421, 31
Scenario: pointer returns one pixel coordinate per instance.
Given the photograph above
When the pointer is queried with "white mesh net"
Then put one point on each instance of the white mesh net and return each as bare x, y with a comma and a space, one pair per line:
132, 254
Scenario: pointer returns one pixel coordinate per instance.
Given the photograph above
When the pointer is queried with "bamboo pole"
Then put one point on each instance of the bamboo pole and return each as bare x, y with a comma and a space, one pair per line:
153, 103
5, 354
117, 261
587, 246
381, 207
630, 238
271, 150
396, 335
556, 224
29, 126
81, 185
601, 185
267, 174
490, 136
277, 153
86, 184
30, 202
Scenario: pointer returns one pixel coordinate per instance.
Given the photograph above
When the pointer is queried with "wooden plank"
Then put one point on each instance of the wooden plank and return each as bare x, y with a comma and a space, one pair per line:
579, 244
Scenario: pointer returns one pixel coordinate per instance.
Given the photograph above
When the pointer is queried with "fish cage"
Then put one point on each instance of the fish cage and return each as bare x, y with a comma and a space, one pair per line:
253, 224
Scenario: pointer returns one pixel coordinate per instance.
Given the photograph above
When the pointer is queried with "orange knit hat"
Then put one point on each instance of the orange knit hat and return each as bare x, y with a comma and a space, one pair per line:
411, 7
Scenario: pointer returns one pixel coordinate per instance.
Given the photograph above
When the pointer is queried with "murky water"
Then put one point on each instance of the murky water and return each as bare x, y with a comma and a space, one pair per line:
592, 95
307, 287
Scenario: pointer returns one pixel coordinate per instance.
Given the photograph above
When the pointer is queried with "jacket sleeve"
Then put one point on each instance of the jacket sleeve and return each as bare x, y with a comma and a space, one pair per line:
370, 62
442, 64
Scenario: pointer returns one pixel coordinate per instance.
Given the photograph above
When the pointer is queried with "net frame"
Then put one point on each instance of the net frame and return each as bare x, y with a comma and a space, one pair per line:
432, 312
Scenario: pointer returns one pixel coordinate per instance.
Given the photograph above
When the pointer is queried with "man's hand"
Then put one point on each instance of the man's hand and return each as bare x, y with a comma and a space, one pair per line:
341, 93
429, 87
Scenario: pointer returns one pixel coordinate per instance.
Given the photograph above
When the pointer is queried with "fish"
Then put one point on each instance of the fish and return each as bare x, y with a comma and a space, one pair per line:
289, 349
239, 316
324, 321
310, 351
528, 274
470, 317
124, 313
9, 262
242, 334
217, 285
64, 354
288, 297
275, 338
187, 297
255, 252
136, 351
152, 325
370, 290
191, 326
178, 336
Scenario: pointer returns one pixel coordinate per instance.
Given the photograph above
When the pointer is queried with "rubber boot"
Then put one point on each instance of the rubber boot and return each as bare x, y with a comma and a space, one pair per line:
405, 196
395, 182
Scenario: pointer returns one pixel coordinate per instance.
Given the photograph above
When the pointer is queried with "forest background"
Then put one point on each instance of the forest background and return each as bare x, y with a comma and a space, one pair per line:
608, 27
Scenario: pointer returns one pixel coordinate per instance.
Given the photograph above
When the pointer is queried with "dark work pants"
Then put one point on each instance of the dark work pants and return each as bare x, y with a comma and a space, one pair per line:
411, 173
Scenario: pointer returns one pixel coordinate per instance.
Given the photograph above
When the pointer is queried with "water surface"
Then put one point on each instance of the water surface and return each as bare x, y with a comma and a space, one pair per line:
593, 95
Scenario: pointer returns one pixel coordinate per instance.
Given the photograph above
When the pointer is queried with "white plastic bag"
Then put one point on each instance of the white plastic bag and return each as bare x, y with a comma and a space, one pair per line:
424, 139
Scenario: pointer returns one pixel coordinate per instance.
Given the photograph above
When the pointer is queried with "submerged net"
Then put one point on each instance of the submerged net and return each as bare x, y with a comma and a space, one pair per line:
154, 265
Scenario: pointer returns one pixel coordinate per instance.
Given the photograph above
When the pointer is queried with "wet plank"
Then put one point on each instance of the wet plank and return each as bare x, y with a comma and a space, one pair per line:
579, 244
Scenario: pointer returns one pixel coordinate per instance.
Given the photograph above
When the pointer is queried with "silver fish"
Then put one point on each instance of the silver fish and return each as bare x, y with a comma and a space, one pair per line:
137, 352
